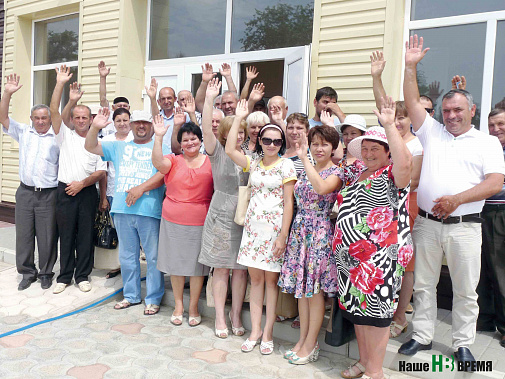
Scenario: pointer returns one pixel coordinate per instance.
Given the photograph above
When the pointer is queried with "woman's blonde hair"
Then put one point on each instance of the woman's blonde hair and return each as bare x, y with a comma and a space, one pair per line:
225, 126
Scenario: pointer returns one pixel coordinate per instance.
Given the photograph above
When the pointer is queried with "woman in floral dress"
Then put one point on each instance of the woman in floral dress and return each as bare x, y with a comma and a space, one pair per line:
267, 222
372, 243
309, 244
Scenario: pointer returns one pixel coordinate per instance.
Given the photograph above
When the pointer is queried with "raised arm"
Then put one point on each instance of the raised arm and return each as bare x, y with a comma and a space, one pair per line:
207, 75
11, 86
414, 53
63, 75
256, 95
188, 106
277, 119
231, 142
377, 67
161, 163
209, 139
179, 120
151, 91
400, 154
75, 95
250, 74
225, 71
102, 89
100, 121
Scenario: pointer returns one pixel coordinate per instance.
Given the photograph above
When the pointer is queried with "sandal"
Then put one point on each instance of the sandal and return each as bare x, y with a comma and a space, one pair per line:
194, 321
356, 370
288, 354
123, 304
280, 318
151, 309
221, 333
267, 347
296, 323
176, 320
113, 273
409, 309
394, 327
240, 331
248, 345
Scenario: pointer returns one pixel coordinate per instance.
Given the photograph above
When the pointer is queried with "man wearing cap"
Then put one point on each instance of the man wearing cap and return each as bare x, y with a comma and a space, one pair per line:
326, 100
462, 166
138, 197
77, 198
36, 195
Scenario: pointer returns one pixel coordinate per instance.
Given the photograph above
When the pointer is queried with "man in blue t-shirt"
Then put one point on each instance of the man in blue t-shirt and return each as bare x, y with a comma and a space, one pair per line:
137, 204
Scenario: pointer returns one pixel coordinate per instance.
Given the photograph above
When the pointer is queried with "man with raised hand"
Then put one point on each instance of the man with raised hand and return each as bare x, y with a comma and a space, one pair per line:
77, 198
326, 100
138, 197
207, 75
36, 194
462, 166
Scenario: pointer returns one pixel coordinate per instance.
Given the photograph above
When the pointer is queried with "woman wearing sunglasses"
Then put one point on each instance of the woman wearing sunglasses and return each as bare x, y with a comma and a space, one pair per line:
267, 222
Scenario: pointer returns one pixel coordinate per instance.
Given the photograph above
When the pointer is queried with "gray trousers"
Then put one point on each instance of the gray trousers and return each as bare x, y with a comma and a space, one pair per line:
35, 218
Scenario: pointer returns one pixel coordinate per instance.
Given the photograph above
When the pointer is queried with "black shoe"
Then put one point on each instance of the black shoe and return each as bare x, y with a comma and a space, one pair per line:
46, 282
465, 355
411, 347
25, 283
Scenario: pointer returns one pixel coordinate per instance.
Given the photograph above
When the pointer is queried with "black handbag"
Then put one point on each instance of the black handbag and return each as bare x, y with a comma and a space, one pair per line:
340, 330
104, 233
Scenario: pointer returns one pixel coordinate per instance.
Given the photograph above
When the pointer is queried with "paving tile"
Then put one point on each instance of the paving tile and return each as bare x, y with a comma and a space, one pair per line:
133, 328
88, 372
17, 353
36, 311
14, 341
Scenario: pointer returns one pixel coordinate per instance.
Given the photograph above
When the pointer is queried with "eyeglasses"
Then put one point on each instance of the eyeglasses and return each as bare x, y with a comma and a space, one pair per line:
429, 110
268, 141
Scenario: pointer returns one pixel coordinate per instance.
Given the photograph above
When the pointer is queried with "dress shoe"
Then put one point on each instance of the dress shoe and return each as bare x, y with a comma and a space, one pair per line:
465, 355
411, 347
25, 283
46, 282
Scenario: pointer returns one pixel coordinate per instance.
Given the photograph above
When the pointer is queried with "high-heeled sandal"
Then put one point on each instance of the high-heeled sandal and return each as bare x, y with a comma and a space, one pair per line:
221, 333
249, 345
240, 331
352, 371
312, 357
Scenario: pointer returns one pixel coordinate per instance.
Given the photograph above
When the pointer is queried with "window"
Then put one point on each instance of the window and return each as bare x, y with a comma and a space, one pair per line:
467, 39
55, 42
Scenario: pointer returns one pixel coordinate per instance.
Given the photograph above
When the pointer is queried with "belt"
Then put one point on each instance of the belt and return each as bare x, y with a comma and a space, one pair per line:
36, 189
494, 207
474, 217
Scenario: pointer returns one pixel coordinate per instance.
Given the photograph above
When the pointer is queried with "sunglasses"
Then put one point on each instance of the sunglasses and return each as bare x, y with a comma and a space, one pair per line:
429, 110
268, 141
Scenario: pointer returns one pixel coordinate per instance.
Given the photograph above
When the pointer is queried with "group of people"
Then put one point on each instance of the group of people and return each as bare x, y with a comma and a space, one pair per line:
411, 186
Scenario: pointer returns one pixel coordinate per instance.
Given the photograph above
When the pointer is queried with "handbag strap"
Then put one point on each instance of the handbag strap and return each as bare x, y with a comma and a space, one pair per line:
251, 169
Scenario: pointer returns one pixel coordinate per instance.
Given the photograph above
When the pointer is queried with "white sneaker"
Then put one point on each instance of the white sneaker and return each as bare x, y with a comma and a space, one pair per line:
85, 286
60, 287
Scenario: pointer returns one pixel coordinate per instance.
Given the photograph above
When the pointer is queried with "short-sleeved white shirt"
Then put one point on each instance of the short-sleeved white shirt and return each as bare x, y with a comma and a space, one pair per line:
415, 147
76, 163
452, 165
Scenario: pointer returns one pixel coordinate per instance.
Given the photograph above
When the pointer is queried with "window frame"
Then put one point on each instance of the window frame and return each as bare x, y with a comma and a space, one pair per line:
491, 19
49, 66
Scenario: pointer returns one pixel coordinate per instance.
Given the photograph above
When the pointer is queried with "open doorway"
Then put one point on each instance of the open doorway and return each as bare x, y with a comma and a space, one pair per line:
271, 74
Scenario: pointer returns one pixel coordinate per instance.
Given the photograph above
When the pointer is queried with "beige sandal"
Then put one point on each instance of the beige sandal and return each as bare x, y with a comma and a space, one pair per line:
151, 309
353, 371
395, 326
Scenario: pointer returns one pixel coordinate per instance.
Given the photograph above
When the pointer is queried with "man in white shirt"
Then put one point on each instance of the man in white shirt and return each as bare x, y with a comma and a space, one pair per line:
36, 195
462, 166
77, 198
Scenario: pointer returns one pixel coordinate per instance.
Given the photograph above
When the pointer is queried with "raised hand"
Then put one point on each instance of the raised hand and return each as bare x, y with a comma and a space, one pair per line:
378, 63
207, 72
302, 146
251, 73
225, 69
152, 90
387, 113
103, 70
434, 90
414, 52
189, 105
12, 83
159, 126
242, 111
257, 92
327, 118
63, 74
276, 113
179, 117
213, 89
101, 120
75, 92
458, 82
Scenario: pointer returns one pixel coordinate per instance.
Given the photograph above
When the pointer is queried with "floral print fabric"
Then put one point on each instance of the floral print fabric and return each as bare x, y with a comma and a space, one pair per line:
372, 246
309, 244
263, 219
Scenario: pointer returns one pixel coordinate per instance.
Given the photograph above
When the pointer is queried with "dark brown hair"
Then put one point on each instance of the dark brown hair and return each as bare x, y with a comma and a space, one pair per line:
326, 133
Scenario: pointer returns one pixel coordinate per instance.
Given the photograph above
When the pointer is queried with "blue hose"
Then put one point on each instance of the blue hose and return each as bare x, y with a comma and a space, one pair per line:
64, 315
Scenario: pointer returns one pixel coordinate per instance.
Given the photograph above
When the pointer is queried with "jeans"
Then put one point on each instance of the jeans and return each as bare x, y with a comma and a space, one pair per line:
133, 230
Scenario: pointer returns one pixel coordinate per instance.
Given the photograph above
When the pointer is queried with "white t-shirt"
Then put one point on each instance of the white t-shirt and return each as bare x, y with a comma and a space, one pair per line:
452, 164
76, 163
111, 171
415, 147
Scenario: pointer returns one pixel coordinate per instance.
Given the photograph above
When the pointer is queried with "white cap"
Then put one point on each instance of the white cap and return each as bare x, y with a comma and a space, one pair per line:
355, 120
141, 116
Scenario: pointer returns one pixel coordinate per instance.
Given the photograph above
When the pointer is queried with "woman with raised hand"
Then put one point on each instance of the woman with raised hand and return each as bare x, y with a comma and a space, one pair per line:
221, 235
255, 121
304, 271
267, 222
372, 242
189, 186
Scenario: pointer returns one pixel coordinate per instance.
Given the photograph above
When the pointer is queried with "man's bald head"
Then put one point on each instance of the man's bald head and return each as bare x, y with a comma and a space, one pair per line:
182, 96
280, 102
166, 100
